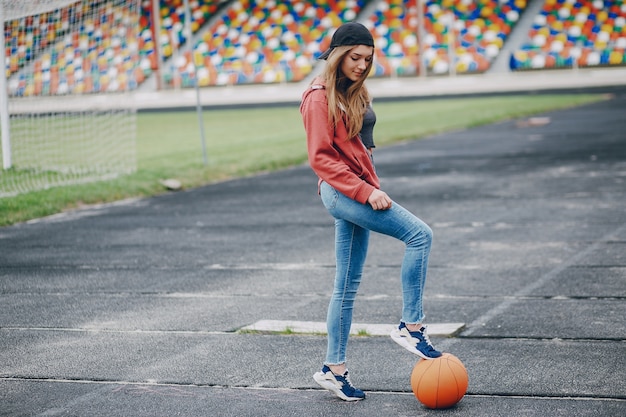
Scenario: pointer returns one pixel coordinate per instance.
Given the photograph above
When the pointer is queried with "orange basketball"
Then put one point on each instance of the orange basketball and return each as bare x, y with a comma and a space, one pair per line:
439, 383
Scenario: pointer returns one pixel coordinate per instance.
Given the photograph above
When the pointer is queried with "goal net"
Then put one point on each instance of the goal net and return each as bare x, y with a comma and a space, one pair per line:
65, 111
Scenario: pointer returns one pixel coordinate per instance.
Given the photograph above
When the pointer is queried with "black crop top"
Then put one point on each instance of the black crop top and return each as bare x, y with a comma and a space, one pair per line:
367, 131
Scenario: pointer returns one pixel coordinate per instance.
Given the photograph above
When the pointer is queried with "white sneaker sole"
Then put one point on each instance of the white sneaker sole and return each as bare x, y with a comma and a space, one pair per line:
320, 378
402, 341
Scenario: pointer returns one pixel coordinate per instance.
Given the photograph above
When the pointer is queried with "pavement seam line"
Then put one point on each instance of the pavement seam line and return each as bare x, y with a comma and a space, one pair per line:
192, 385
544, 279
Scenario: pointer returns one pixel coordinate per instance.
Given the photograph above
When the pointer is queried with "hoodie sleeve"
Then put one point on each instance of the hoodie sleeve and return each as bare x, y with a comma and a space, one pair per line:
326, 157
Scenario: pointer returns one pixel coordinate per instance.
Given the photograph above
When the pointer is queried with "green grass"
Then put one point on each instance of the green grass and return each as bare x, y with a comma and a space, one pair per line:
247, 141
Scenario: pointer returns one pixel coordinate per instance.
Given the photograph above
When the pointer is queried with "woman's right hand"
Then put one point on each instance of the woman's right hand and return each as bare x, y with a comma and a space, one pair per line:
379, 200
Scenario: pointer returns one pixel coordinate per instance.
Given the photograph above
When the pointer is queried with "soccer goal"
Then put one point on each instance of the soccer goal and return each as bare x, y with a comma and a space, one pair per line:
65, 111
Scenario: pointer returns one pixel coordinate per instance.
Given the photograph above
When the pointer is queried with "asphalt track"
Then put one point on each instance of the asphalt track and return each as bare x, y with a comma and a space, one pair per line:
132, 309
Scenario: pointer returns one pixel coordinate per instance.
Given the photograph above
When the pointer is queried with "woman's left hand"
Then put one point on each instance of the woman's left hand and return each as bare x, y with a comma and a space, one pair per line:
379, 200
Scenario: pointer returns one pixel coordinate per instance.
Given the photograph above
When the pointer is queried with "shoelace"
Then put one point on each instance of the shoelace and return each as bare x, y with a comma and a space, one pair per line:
427, 339
424, 337
347, 379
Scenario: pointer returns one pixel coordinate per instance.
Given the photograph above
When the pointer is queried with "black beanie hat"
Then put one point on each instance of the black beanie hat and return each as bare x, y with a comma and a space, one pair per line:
351, 33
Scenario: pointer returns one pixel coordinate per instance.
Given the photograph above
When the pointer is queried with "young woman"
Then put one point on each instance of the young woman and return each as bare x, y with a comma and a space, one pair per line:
339, 121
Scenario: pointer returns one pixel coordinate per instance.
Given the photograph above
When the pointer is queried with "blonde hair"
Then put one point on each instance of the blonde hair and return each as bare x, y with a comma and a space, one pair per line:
344, 95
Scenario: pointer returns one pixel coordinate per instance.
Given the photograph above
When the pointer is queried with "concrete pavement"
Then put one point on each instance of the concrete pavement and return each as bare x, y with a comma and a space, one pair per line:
134, 308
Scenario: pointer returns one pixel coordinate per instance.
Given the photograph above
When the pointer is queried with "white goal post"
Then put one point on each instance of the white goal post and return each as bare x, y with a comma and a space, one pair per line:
65, 112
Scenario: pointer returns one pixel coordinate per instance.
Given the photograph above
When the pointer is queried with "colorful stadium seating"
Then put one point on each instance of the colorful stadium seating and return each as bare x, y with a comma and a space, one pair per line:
481, 28
171, 34
25, 36
94, 56
569, 33
99, 55
264, 41
268, 41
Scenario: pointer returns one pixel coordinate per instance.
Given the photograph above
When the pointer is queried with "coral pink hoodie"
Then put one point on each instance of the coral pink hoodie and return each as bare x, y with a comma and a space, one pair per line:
340, 161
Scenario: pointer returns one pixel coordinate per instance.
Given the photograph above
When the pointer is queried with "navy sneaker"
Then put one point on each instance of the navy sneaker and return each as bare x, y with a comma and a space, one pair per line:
339, 385
415, 342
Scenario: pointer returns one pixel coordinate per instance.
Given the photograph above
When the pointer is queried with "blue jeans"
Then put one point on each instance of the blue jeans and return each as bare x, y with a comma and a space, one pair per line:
353, 223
